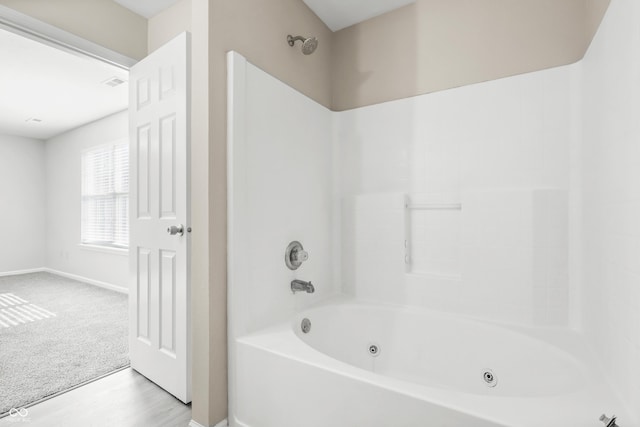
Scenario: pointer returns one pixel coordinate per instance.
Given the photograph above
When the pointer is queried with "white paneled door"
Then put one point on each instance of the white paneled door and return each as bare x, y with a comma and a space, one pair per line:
159, 315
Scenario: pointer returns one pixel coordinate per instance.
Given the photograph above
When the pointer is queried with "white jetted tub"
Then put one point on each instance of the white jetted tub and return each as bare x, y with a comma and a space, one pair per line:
364, 365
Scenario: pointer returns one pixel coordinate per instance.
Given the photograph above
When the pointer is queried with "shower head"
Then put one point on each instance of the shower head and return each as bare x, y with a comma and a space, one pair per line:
309, 44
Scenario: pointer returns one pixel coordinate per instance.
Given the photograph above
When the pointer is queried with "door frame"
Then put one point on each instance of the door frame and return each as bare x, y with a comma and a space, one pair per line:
29, 27
26, 26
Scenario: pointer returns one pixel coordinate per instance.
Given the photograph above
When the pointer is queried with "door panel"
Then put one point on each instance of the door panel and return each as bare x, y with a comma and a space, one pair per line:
159, 296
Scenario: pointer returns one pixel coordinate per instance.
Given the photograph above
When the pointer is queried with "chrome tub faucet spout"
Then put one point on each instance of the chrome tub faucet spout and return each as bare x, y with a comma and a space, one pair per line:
609, 422
301, 285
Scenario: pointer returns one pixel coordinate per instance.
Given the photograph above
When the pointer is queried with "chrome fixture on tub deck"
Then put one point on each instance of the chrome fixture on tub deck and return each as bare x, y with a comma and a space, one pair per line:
301, 285
305, 325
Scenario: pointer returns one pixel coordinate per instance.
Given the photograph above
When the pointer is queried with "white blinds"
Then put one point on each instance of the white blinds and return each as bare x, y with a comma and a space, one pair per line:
105, 195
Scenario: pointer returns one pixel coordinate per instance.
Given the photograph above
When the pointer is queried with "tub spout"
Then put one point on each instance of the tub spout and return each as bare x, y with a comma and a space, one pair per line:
301, 285
609, 422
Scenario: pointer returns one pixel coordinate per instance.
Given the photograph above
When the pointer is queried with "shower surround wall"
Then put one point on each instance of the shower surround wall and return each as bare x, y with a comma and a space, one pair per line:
280, 164
501, 150
611, 197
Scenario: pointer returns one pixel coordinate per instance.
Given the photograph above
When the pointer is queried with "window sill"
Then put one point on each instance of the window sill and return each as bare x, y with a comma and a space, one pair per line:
104, 249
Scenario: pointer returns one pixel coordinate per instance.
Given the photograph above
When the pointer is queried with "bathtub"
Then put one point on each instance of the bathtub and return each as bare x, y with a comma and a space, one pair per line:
373, 365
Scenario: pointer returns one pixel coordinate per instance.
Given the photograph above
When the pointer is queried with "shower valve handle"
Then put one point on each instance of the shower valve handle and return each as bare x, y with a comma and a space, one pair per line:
300, 255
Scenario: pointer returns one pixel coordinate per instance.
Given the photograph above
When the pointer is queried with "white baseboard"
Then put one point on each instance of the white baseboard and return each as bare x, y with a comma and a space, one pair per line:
18, 272
98, 283
222, 423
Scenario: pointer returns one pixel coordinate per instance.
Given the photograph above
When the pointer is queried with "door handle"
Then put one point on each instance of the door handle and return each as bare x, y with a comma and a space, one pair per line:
176, 229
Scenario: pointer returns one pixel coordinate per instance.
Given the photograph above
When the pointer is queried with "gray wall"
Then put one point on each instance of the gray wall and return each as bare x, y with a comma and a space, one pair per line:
22, 203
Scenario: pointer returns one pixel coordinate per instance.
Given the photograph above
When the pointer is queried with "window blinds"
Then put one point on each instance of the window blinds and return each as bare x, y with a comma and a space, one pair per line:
105, 196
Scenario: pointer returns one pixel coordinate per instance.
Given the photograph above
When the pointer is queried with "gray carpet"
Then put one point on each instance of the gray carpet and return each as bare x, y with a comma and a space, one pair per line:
56, 333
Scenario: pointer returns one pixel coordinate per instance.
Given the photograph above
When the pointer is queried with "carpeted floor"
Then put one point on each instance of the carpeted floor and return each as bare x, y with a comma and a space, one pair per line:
56, 333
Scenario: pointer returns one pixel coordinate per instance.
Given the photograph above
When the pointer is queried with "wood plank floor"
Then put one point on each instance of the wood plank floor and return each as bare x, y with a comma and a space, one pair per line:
123, 399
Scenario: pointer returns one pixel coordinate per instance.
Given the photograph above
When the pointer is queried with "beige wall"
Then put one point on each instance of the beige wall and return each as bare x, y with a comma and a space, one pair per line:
209, 346
168, 24
439, 44
100, 21
375, 61
594, 14
258, 29
208, 316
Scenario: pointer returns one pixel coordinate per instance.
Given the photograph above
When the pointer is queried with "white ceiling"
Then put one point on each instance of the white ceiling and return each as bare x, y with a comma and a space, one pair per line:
339, 14
62, 89
146, 8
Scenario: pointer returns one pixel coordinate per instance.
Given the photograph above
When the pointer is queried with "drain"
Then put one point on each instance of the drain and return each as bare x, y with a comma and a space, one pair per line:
373, 350
490, 378
305, 325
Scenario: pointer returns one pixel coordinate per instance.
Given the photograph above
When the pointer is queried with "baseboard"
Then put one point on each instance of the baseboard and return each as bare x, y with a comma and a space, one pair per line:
222, 423
98, 283
18, 272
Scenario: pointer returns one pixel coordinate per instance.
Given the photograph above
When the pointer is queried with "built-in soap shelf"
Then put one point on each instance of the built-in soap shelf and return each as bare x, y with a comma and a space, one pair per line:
432, 231
433, 206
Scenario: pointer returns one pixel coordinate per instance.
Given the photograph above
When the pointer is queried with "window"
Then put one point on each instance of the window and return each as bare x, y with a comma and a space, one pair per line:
105, 196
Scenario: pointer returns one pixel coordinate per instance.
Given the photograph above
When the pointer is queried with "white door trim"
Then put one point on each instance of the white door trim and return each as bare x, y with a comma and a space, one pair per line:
222, 423
27, 26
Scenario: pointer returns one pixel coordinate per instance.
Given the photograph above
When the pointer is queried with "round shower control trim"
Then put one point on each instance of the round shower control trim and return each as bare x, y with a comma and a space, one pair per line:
295, 255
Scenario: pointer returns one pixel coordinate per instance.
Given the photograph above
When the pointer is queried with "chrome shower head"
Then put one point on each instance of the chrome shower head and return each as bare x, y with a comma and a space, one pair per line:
309, 44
